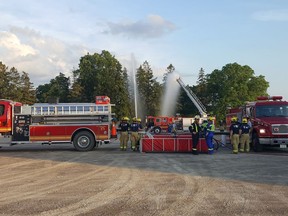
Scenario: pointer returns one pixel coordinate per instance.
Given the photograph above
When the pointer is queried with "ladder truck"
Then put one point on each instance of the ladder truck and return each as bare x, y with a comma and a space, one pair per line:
82, 124
161, 123
201, 108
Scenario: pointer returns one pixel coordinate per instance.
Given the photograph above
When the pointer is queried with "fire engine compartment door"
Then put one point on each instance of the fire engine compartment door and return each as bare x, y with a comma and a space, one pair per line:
21, 127
5, 118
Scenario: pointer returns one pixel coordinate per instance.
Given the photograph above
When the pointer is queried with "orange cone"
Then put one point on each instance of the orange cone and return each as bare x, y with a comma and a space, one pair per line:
113, 130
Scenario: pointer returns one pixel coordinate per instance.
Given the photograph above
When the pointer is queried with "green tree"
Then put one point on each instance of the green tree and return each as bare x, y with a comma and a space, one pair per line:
57, 88
169, 69
13, 85
16, 86
149, 89
102, 74
27, 89
4, 79
76, 91
201, 89
232, 86
186, 106
42, 93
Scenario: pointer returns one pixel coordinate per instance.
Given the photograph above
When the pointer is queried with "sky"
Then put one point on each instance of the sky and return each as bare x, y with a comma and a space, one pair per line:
44, 38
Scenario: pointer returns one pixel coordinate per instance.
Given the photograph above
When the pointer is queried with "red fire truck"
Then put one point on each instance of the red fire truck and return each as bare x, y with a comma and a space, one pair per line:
82, 124
159, 123
269, 118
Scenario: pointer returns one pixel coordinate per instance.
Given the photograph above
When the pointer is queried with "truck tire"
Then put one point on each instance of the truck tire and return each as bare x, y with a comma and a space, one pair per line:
257, 147
84, 141
157, 130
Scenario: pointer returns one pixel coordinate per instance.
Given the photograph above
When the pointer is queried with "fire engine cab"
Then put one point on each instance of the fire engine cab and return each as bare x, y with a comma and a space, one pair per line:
159, 124
269, 118
82, 124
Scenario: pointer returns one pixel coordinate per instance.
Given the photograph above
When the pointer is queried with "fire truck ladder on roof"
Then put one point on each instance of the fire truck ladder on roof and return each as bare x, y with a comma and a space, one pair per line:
70, 109
69, 113
201, 108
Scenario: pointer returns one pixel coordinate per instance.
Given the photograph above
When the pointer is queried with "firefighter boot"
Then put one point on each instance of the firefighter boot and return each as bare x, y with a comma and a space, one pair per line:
194, 151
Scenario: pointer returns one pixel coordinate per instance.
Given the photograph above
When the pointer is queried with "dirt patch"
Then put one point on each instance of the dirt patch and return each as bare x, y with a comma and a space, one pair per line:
110, 182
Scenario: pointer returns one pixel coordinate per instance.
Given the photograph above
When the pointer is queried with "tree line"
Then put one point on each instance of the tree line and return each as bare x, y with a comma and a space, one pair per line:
102, 74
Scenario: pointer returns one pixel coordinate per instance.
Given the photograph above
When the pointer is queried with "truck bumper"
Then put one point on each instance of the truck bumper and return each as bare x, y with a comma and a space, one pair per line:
5, 139
273, 141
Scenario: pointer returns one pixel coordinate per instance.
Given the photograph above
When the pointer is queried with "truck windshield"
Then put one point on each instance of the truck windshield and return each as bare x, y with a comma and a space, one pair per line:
272, 111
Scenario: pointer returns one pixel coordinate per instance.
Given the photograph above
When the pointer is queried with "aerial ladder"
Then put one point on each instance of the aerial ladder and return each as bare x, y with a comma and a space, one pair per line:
201, 108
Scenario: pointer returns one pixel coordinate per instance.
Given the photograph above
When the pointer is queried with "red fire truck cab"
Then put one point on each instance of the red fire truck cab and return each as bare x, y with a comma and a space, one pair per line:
269, 118
159, 124
82, 124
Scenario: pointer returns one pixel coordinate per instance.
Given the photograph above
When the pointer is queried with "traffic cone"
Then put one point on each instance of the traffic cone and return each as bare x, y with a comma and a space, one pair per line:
113, 130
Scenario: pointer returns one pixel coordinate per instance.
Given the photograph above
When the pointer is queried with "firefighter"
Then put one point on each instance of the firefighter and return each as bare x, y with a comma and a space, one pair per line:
150, 125
249, 122
195, 130
139, 136
134, 128
124, 126
221, 126
234, 134
244, 136
209, 135
204, 128
174, 128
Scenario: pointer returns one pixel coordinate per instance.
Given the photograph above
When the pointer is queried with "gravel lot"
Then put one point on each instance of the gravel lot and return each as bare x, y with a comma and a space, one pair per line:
57, 180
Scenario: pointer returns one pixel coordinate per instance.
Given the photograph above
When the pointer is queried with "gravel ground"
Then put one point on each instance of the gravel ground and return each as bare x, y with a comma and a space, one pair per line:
57, 180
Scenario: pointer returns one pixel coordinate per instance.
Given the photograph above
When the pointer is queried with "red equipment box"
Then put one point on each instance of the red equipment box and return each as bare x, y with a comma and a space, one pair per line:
102, 100
169, 143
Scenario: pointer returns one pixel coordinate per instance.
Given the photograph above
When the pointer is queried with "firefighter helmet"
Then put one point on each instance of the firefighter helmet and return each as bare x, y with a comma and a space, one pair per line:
197, 117
234, 119
139, 119
125, 118
210, 118
244, 120
134, 119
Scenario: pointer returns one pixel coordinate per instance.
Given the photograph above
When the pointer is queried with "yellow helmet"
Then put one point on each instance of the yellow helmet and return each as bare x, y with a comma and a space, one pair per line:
234, 119
139, 119
244, 120
210, 118
125, 118
134, 119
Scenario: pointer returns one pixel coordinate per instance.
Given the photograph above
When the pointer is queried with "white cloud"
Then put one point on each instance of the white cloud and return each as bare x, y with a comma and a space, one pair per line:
152, 27
271, 15
40, 56
11, 42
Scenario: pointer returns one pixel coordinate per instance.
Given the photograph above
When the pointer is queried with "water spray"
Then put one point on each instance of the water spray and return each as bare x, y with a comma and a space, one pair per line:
171, 93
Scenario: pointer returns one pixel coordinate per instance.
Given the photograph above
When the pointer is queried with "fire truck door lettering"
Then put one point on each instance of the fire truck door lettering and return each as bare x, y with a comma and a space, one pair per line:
102, 128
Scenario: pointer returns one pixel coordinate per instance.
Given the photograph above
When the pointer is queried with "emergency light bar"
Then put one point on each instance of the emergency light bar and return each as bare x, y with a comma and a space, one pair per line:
274, 98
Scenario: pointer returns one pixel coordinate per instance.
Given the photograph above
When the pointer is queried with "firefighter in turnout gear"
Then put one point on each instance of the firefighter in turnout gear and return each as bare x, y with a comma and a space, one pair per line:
134, 128
244, 136
209, 135
124, 126
139, 136
234, 134
195, 130
204, 128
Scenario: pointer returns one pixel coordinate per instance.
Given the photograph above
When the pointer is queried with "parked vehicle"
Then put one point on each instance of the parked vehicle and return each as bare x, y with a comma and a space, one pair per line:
269, 118
82, 124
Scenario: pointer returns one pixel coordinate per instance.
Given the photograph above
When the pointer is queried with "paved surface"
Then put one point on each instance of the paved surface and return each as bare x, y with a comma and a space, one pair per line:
57, 180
